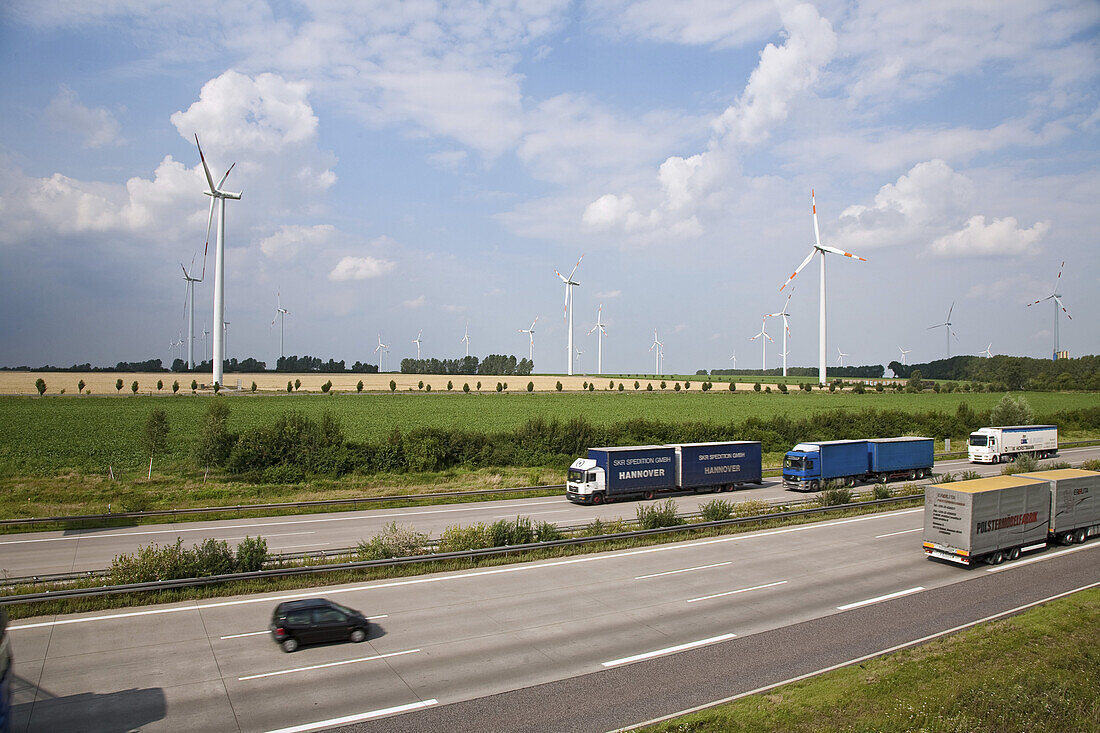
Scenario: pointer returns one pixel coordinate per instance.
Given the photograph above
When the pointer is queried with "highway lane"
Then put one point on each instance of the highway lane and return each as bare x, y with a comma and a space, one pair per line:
453, 637
66, 551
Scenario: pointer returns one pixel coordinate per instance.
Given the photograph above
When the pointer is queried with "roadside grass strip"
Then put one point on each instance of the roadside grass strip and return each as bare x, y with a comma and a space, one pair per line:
312, 667
880, 599
348, 719
735, 592
669, 650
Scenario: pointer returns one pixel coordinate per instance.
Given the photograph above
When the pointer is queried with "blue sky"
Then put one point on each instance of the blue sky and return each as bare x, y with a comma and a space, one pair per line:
421, 165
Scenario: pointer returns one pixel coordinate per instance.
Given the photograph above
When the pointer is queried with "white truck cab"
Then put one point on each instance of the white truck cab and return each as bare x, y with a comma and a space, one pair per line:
585, 479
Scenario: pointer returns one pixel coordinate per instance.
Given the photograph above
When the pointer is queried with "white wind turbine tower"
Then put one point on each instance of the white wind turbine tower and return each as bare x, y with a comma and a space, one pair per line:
840, 356
579, 352
599, 339
734, 359
822, 249
786, 329
531, 333
225, 340
381, 356
189, 305
986, 353
417, 342
903, 353
218, 197
949, 332
1057, 298
466, 338
569, 285
280, 314
656, 357
763, 343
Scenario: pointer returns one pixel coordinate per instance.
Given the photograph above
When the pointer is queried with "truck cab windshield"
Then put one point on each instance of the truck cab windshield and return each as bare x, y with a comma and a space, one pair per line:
795, 463
576, 476
979, 440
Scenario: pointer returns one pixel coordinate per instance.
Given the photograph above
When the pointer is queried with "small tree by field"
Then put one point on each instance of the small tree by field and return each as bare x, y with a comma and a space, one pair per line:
393, 386
427, 388
611, 384
326, 386
175, 386
217, 387
466, 388
756, 387
558, 386
156, 434
450, 385
289, 386
687, 384
620, 386
783, 388
253, 387
676, 386
160, 385
134, 387
636, 385
297, 384
499, 386
591, 387
479, 386
733, 387
80, 386
649, 387
118, 385
663, 385
194, 385
420, 384
40, 385
530, 386
359, 387
584, 386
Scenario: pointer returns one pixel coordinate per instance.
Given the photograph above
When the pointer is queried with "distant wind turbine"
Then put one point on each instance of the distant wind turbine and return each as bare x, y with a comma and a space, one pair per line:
1057, 298
903, 353
949, 331
280, 314
786, 329
217, 197
466, 338
821, 249
189, 305
763, 343
840, 356
734, 359
417, 342
986, 353
656, 357
380, 349
579, 352
569, 285
599, 339
531, 335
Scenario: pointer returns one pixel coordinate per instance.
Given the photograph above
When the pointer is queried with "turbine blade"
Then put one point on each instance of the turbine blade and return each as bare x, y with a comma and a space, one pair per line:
817, 233
574, 270
836, 251
209, 224
949, 311
205, 168
799, 268
1063, 307
226, 175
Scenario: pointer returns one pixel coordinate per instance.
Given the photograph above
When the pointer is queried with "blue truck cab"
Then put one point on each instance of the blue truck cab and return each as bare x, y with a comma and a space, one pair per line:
808, 465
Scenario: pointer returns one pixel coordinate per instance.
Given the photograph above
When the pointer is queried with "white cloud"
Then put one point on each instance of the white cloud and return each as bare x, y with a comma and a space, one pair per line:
360, 268
289, 240
608, 294
1020, 287
418, 302
97, 125
688, 22
999, 238
454, 308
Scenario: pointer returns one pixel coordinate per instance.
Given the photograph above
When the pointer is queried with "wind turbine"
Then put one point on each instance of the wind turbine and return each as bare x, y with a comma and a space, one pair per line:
280, 314
225, 340
217, 197
840, 356
656, 357
205, 333
822, 249
1057, 298
579, 352
599, 339
763, 344
466, 338
903, 353
531, 333
417, 342
381, 347
786, 329
734, 359
986, 352
189, 305
950, 332
569, 285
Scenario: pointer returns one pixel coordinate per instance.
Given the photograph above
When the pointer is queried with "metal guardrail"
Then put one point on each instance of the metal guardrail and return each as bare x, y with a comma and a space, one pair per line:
394, 562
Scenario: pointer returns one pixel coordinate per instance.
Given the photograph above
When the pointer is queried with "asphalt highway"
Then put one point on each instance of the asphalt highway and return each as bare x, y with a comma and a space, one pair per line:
73, 550
587, 643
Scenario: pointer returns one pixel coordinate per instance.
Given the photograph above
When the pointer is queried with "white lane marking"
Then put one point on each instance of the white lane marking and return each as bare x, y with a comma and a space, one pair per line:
95, 536
269, 536
332, 722
524, 567
250, 633
513, 514
1040, 558
267, 631
669, 650
373, 658
308, 544
887, 597
857, 660
739, 590
904, 531
683, 570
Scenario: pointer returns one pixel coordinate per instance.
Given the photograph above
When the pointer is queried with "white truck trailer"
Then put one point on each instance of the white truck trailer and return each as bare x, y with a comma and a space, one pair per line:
995, 445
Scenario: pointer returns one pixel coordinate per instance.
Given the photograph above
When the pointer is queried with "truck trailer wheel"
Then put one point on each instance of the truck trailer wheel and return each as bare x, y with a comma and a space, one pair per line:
1081, 536
649, 495
997, 558
1013, 554
1066, 538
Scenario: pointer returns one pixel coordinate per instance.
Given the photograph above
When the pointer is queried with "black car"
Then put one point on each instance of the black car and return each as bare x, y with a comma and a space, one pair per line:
316, 620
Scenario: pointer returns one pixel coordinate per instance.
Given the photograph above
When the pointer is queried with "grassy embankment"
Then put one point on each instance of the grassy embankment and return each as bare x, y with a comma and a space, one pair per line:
1036, 671
56, 452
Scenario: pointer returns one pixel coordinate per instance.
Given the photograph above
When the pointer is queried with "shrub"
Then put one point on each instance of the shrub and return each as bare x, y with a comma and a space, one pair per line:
253, 388
611, 384
326, 386
80, 386
716, 510
768, 389
289, 386
530, 386
756, 387
359, 387
1093, 464
783, 387
859, 388
649, 387
40, 385
636, 385
946, 478
620, 386
662, 514
663, 385
598, 527
908, 489
584, 386
160, 385
460, 539
297, 384
970, 475
1054, 465
393, 540
420, 384
479, 386
194, 385
1022, 464
547, 532
687, 384
500, 387
834, 497
558, 386
466, 388
676, 386
134, 387
591, 387
881, 491
450, 385
283, 473
251, 554
175, 386
213, 557
118, 385
427, 388
733, 386
879, 387
751, 508
217, 388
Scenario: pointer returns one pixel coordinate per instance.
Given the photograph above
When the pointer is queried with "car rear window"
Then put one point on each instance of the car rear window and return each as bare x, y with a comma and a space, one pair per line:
297, 618
328, 616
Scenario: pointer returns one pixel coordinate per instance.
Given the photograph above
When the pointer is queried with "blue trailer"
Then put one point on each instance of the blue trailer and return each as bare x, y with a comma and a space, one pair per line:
894, 458
644, 471
808, 465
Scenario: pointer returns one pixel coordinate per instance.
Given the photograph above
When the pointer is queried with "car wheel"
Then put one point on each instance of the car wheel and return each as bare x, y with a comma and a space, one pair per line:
358, 635
289, 645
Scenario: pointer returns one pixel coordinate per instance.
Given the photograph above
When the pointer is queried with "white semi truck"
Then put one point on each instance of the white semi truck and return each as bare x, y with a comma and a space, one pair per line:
996, 445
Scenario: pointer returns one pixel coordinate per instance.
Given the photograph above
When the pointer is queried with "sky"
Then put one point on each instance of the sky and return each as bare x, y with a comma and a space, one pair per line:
420, 166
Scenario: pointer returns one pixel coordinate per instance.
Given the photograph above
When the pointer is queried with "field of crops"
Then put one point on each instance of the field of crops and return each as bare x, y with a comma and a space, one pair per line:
51, 436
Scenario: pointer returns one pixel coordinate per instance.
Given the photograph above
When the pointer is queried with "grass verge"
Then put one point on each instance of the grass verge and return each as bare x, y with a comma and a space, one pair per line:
1036, 671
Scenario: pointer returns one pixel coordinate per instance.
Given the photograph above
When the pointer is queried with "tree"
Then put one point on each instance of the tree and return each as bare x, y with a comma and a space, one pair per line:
289, 386
134, 387
450, 386
500, 387
420, 384
649, 387
326, 386
620, 386
611, 384
687, 384
215, 441
635, 384
756, 387
558, 386
393, 386
175, 386
194, 385
479, 386
40, 385
663, 385
297, 384
160, 385
217, 388
253, 387
914, 384
1011, 412
156, 434
530, 386
733, 387
118, 385
783, 388
591, 387
676, 386
359, 387
466, 388
427, 388
80, 386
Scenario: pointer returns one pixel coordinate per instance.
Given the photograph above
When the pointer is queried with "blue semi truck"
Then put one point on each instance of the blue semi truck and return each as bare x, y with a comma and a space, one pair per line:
644, 471
807, 466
